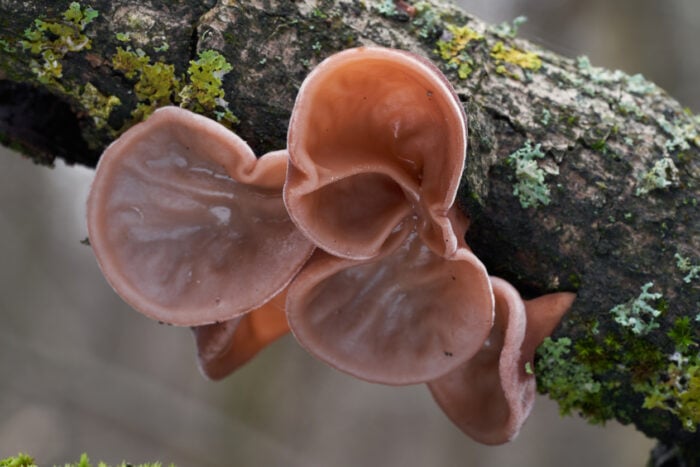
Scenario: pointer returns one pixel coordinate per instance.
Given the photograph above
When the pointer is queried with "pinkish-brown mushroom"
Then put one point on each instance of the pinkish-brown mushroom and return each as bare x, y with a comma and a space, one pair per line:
406, 317
490, 396
187, 225
377, 136
222, 348
377, 141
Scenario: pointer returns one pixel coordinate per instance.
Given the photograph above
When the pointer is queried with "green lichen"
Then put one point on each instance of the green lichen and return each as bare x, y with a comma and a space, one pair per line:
204, 92
530, 187
453, 48
101, 105
426, 22
681, 132
692, 271
676, 390
638, 315
662, 175
387, 8
157, 85
569, 382
508, 30
506, 57
49, 41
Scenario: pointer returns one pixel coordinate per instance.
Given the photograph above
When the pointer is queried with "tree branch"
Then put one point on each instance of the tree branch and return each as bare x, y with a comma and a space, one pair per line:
577, 178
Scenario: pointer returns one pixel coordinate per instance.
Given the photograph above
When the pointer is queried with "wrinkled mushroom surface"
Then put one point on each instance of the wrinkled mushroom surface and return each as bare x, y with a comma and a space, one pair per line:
376, 136
187, 226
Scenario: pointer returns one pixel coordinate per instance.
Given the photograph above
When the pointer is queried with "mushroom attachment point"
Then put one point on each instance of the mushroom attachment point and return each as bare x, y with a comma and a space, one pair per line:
187, 225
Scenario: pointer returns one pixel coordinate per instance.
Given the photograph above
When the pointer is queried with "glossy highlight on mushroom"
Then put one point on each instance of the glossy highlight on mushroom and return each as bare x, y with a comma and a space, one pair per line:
187, 225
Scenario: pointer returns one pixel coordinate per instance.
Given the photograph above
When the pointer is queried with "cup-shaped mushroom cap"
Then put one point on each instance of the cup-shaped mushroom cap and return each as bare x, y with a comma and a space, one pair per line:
490, 396
187, 226
409, 316
222, 348
375, 135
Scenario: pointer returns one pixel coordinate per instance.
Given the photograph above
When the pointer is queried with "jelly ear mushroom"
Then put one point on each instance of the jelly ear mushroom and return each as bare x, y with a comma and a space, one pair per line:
222, 348
407, 316
381, 133
187, 225
490, 396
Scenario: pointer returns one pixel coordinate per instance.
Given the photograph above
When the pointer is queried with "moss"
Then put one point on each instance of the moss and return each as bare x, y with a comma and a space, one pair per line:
23, 460
454, 48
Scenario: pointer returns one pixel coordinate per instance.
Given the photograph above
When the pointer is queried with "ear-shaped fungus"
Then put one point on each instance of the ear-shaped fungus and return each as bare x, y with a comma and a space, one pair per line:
490, 396
376, 136
377, 142
187, 225
222, 348
406, 317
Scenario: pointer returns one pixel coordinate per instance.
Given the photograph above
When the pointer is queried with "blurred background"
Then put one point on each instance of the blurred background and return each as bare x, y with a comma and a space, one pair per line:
81, 371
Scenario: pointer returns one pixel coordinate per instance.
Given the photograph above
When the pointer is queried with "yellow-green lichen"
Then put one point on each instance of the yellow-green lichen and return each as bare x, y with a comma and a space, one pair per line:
453, 48
49, 41
156, 83
101, 105
24, 460
204, 92
506, 57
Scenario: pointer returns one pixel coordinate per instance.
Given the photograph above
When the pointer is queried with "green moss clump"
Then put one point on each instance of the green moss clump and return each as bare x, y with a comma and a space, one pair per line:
23, 460
572, 384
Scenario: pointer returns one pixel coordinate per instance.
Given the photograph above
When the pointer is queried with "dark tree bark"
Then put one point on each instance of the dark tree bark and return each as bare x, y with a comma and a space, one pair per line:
605, 165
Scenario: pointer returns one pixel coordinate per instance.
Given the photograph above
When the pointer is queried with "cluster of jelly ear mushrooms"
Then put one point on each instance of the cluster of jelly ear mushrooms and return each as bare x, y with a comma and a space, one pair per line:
351, 237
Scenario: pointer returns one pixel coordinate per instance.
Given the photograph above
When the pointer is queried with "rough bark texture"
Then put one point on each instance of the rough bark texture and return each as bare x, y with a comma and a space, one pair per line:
606, 204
